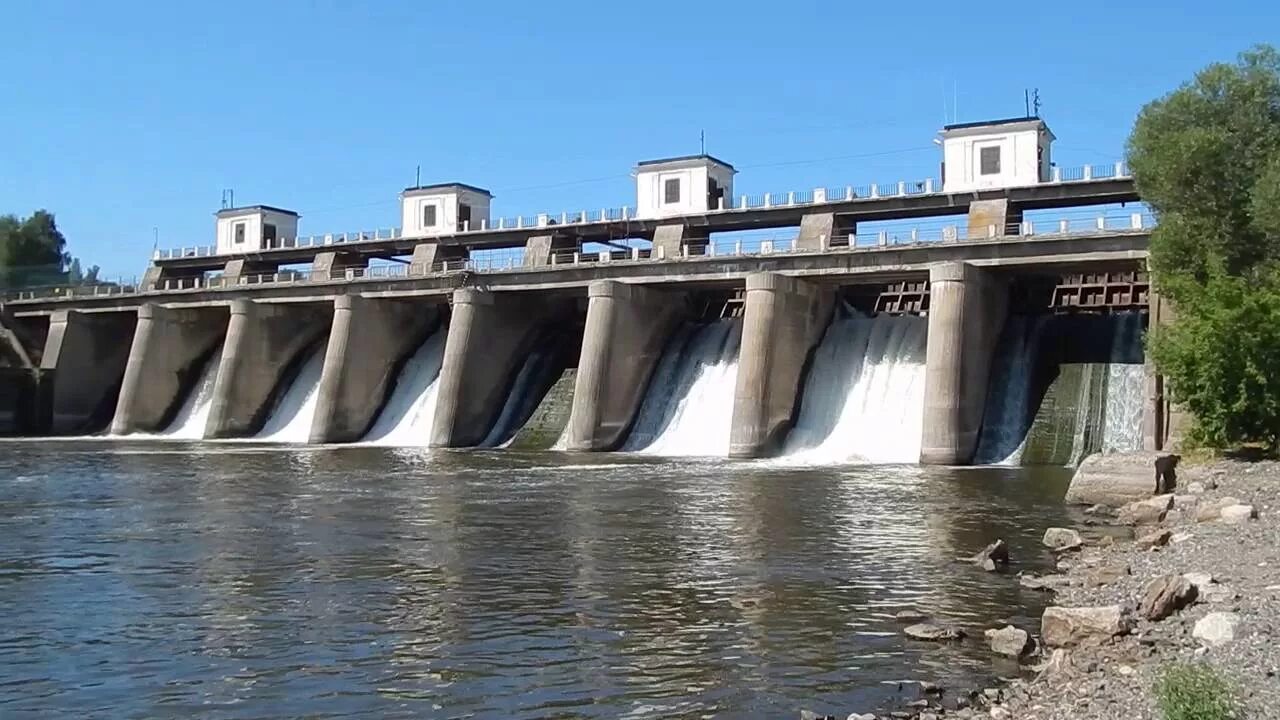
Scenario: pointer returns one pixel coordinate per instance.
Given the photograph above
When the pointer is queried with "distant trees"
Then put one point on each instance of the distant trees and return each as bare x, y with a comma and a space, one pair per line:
1206, 158
33, 252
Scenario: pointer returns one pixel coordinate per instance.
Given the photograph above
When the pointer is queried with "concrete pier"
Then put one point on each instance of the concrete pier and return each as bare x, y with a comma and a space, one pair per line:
85, 353
967, 309
367, 341
627, 328
785, 319
167, 347
262, 341
489, 336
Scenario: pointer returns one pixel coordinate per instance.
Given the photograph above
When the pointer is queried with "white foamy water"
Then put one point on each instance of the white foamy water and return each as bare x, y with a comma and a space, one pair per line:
193, 416
864, 396
406, 419
290, 420
688, 409
1007, 417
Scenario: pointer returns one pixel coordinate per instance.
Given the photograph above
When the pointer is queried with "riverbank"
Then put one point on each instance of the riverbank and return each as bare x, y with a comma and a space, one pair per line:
1211, 577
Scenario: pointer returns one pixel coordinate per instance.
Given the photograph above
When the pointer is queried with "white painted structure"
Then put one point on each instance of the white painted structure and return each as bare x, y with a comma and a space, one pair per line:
999, 153
253, 228
682, 185
443, 209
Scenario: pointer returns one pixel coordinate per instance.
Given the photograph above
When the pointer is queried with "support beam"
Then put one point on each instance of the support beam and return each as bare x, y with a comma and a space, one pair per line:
818, 232
670, 239
332, 265
489, 335
627, 328
85, 353
367, 341
427, 254
984, 215
241, 268
262, 341
1163, 423
784, 321
539, 249
967, 308
163, 363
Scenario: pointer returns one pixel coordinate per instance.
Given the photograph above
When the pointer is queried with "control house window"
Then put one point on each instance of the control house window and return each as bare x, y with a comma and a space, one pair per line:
428, 215
989, 161
237, 232
671, 191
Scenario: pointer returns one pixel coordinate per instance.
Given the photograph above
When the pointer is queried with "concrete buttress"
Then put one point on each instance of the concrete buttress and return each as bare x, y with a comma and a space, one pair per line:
263, 340
784, 320
489, 335
166, 348
967, 308
367, 341
627, 328
86, 354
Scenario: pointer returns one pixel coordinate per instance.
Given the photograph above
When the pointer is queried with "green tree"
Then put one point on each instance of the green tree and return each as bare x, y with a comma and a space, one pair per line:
1206, 158
32, 251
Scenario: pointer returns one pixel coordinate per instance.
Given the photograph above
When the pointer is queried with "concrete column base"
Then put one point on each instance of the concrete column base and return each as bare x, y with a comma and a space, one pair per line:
427, 254
784, 321
84, 359
167, 345
367, 341
332, 265
967, 309
262, 341
539, 249
999, 214
671, 239
627, 328
241, 269
820, 231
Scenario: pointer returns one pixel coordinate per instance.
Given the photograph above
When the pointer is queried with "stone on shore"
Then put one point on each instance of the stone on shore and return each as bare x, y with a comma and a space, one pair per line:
1009, 641
935, 633
1217, 628
1048, 583
993, 555
1210, 511
1202, 581
1154, 539
1238, 514
1145, 512
1062, 539
1117, 478
1166, 595
1069, 626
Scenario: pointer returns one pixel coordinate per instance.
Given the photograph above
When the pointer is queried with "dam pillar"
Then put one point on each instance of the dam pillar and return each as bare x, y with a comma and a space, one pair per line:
332, 265
674, 240
626, 330
489, 335
967, 308
427, 254
784, 320
239, 270
263, 340
820, 231
367, 341
167, 346
539, 250
85, 354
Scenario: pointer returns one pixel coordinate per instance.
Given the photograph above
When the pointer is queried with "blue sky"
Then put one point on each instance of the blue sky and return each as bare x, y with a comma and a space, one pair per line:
124, 116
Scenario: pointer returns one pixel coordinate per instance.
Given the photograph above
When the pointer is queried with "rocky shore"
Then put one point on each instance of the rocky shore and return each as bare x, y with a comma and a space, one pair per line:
1188, 576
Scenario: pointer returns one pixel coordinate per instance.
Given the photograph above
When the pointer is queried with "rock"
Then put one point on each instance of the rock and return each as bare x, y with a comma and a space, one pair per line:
1166, 595
1154, 539
1216, 593
1098, 509
935, 633
1216, 628
810, 715
1062, 539
1212, 510
1069, 626
1238, 514
910, 616
1106, 575
1009, 641
1048, 583
993, 555
1180, 537
1195, 488
1145, 512
1201, 580
1184, 502
861, 716
1114, 479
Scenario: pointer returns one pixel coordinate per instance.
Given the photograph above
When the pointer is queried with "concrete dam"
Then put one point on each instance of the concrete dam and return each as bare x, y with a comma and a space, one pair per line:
1006, 339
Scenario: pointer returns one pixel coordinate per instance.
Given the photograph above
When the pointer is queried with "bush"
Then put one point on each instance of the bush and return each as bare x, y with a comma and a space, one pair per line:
1193, 692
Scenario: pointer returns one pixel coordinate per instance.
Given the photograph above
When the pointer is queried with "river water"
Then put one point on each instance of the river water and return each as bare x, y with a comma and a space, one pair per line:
159, 580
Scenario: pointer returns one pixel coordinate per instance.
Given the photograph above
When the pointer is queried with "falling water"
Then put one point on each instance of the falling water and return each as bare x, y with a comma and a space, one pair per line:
864, 397
1008, 413
290, 420
688, 409
405, 421
189, 423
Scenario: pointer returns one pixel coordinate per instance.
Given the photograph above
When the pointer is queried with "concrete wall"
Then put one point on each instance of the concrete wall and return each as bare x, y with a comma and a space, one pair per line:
262, 340
167, 347
489, 334
627, 328
967, 309
785, 319
85, 353
367, 341
1019, 158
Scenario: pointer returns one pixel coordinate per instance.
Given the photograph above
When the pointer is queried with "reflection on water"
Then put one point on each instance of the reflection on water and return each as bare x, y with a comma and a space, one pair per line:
214, 581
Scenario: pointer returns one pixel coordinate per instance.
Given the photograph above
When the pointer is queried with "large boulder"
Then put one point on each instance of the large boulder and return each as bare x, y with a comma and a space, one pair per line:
1166, 595
1062, 539
1069, 626
1238, 514
1114, 479
1145, 512
1009, 641
1217, 628
929, 631
1211, 510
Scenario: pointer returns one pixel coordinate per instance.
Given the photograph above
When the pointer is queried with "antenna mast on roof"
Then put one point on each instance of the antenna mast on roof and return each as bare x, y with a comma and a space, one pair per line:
1035, 102
702, 141
228, 198
417, 177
